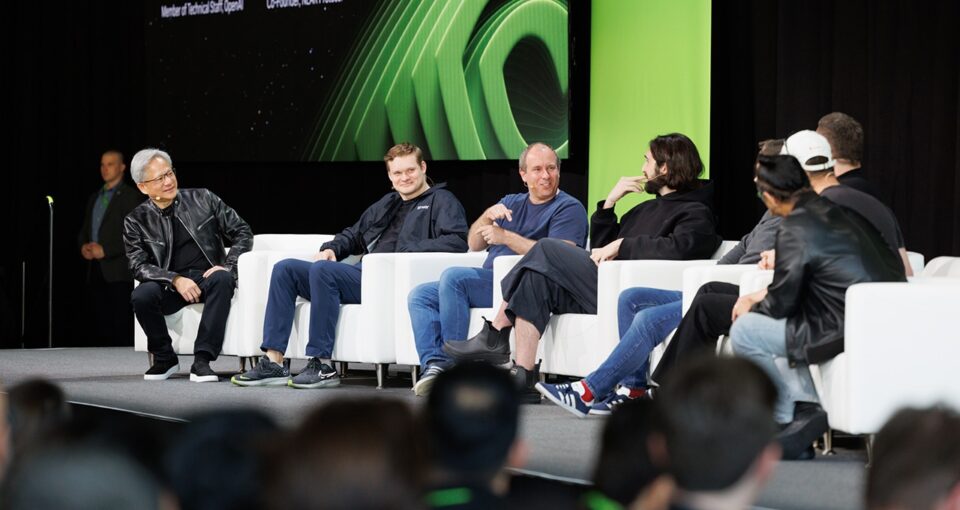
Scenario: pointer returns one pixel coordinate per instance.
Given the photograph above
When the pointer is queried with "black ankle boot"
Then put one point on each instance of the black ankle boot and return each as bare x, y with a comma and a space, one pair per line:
526, 381
489, 345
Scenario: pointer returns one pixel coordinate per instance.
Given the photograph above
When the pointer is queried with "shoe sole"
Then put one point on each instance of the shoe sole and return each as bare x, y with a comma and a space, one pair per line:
423, 387
164, 376
327, 383
543, 391
204, 378
270, 381
597, 412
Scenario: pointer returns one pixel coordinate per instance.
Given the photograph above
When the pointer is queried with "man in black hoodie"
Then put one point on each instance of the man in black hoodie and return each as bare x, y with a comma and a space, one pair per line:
555, 277
414, 218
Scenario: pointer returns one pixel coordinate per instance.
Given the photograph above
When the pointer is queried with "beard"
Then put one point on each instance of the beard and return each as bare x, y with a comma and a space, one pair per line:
653, 186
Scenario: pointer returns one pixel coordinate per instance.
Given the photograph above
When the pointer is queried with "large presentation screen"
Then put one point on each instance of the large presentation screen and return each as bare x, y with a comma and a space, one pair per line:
343, 80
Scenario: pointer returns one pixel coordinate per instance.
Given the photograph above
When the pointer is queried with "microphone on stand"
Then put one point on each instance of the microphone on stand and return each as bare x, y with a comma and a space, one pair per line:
50, 279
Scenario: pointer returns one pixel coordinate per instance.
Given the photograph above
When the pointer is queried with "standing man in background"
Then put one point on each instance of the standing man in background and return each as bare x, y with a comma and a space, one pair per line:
108, 279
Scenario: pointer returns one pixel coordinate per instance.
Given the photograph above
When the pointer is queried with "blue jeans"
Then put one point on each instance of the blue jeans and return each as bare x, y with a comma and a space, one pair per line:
645, 316
763, 340
441, 310
326, 284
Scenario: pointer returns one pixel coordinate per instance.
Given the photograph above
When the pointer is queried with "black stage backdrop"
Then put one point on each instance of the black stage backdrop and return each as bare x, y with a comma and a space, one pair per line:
778, 66
73, 76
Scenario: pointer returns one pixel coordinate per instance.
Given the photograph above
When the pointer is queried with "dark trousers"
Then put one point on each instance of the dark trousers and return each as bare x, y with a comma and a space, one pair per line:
707, 319
151, 302
327, 284
110, 316
535, 297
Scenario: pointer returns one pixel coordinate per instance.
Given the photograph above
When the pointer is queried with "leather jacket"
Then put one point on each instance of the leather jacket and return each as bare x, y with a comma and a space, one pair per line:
148, 234
822, 248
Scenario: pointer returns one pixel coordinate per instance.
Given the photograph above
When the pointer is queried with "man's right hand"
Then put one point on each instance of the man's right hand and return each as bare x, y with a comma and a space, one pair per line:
498, 212
327, 254
86, 252
623, 187
187, 288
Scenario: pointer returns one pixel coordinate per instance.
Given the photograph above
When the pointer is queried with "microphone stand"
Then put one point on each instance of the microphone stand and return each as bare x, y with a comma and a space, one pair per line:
50, 279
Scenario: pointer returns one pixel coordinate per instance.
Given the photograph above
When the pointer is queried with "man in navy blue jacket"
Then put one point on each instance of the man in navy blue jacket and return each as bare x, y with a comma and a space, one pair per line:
414, 218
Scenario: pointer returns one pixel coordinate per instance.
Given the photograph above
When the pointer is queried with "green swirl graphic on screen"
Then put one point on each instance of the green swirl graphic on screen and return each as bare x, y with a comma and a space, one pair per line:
432, 73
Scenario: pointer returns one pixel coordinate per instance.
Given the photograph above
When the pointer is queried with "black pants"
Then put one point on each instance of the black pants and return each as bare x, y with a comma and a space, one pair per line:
108, 310
707, 319
536, 297
151, 302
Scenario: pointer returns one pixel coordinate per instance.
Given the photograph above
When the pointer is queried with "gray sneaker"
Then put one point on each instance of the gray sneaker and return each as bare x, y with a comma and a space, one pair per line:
266, 373
425, 384
317, 375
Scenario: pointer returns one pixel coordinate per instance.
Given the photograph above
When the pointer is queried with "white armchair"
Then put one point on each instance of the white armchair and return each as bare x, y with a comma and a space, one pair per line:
901, 348
576, 344
414, 269
245, 323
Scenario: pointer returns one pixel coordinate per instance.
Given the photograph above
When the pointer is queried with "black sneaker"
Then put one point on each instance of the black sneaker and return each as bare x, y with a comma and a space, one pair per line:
526, 381
489, 345
425, 384
266, 373
162, 369
317, 375
809, 423
200, 371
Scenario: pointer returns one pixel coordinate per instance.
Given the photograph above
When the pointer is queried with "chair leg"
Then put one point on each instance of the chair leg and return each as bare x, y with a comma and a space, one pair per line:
243, 364
414, 371
286, 363
381, 368
150, 359
870, 439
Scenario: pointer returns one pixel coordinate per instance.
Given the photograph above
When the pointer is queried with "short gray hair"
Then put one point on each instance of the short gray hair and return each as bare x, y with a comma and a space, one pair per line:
523, 155
144, 157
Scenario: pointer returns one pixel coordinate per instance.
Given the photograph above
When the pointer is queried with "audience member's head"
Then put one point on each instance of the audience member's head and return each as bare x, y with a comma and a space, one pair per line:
356, 454
678, 163
37, 409
845, 136
625, 470
471, 423
780, 180
215, 462
717, 419
80, 479
916, 462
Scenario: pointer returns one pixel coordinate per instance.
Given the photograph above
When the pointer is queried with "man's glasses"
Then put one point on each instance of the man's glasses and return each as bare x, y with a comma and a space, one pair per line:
172, 174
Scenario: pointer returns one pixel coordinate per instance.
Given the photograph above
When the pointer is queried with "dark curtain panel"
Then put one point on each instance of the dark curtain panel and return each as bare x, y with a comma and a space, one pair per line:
778, 66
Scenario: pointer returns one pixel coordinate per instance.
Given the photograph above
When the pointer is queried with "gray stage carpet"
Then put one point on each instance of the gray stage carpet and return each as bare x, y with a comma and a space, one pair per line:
560, 445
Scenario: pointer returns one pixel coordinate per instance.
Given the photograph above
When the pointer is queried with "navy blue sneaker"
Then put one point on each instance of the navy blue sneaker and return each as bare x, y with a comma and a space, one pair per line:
425, 384
564, 396
605, 407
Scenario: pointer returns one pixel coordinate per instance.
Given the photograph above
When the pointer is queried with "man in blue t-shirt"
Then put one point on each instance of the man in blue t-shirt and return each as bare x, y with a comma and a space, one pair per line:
441, 310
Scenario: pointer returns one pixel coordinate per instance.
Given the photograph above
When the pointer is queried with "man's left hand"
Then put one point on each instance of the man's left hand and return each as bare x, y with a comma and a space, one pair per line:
212, 270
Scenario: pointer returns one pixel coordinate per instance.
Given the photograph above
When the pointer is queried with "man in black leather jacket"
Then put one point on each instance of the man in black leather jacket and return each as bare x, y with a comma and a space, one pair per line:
175, 244
414, 218
822, 249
